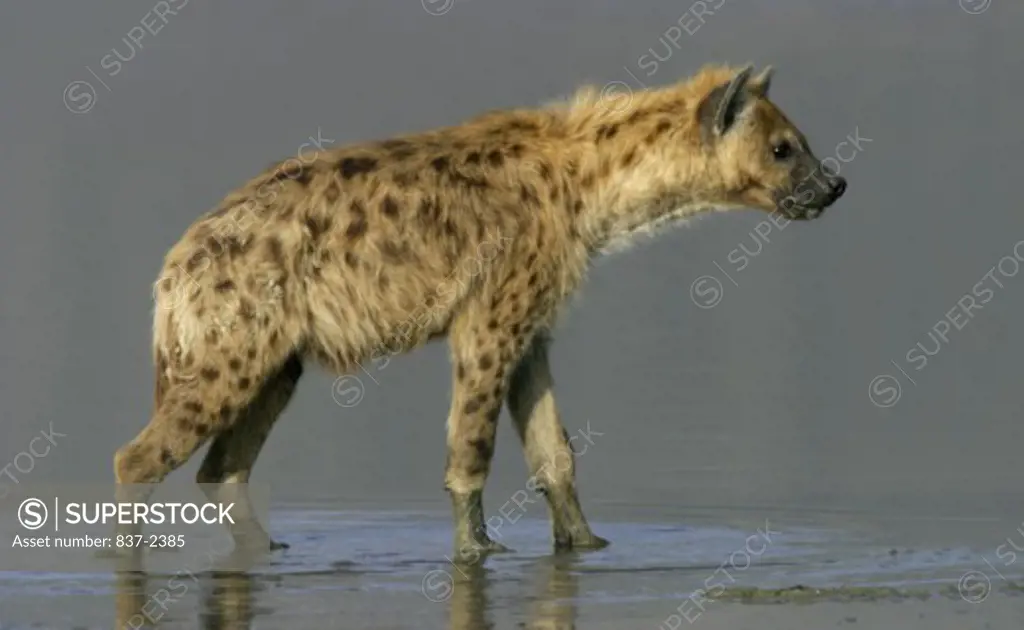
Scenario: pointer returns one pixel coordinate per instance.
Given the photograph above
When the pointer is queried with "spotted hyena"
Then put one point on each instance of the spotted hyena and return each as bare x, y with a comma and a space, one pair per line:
361, 252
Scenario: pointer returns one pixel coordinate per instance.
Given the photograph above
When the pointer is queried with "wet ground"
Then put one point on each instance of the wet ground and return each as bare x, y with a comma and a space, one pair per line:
387, 569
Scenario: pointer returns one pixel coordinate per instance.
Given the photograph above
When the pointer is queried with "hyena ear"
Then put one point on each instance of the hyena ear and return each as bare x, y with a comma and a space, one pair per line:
720, 107
762, 82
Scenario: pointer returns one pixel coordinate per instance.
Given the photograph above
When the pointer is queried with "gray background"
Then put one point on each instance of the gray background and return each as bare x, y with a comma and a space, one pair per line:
759, 401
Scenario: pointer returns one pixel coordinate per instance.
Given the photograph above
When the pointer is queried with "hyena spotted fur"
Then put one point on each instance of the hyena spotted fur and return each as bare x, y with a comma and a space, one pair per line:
331, 266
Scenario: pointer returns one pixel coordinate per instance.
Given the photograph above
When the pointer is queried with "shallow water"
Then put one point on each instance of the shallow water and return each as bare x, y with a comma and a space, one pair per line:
388, 569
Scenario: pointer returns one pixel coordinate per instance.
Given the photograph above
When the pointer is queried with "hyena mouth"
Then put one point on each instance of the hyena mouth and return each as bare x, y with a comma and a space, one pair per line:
820, 199
800, 212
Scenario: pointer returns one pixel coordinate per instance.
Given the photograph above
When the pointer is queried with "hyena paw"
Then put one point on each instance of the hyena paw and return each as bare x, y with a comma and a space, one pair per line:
585, 542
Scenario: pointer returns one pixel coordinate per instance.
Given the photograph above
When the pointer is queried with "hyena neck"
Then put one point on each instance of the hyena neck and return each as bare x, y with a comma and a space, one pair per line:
627, 190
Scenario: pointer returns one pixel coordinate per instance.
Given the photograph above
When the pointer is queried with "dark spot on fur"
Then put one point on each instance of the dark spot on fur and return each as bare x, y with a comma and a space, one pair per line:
246, 310
636, 116
440, 163
606, 132
225, 411
383, 282
473, 158
492, 325
209, 373
389, 207
481, 399
185, 425
404, 179
486, 362
522, 125
461, 371
318, 225
393, 253
272, 340
663, 126
244, 383
497, 393
214, 246
251, 353
194, 406
352, 166
224, 286
514, 330
473, 182
495, 158
276, 251
166, 457
587, 181
302, 174
517, 150
357, 226
471, 407
194, 260
483, 448
399, 149
627, 160
201, 429
429, 211
528, 195
532, 282
351, 260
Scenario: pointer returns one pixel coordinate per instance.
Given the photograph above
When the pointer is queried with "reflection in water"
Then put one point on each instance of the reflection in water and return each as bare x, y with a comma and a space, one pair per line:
144, 601
225, 600
228, 599
553, 606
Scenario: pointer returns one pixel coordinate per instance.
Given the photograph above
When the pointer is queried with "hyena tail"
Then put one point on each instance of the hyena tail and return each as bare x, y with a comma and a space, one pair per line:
162, 383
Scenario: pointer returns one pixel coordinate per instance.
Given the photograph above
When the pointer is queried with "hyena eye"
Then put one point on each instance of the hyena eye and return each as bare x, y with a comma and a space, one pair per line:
782, 150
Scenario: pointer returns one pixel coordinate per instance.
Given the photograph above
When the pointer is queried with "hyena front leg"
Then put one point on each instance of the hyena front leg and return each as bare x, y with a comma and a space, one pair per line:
485, 349
549, 455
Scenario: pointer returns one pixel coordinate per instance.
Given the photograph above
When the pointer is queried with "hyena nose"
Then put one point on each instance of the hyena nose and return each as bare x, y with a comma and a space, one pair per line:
838, 185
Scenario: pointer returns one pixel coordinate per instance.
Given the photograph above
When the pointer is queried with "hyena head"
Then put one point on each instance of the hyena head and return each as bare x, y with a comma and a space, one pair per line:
765, 161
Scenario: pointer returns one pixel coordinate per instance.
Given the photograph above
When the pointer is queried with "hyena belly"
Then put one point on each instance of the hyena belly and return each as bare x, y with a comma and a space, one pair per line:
380, 296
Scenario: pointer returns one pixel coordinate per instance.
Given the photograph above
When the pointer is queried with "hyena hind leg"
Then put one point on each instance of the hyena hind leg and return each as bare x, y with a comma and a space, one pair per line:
224, 474
188, 413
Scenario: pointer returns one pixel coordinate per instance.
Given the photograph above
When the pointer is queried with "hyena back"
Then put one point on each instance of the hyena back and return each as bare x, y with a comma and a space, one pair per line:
476, 232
